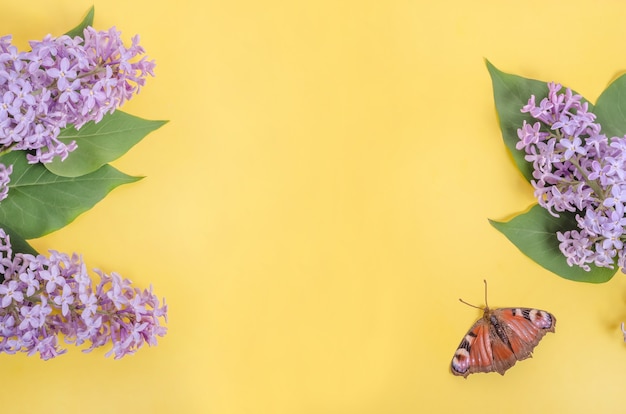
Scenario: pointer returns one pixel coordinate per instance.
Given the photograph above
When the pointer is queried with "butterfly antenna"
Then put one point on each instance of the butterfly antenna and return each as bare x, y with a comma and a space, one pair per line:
469, 304
486, 304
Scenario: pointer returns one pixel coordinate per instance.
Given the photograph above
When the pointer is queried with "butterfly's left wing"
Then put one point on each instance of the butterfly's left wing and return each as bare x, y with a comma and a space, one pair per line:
481, 350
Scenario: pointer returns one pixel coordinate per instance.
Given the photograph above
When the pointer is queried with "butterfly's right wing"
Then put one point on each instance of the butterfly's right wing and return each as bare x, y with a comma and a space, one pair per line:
524, 328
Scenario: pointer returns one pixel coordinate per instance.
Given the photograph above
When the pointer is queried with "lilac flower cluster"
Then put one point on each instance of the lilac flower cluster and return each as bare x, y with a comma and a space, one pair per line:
579, 170
43, 297
64, 81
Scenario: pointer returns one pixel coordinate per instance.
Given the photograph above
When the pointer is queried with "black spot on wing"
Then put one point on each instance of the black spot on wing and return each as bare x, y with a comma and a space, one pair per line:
465, 344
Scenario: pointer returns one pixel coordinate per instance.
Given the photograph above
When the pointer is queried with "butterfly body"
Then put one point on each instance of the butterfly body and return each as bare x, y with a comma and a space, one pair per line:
500, 338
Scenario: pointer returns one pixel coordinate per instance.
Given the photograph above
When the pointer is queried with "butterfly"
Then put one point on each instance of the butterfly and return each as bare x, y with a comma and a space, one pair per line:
500, 338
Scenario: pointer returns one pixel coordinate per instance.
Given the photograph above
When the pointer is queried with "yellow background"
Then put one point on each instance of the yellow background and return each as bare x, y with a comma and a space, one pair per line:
319, 202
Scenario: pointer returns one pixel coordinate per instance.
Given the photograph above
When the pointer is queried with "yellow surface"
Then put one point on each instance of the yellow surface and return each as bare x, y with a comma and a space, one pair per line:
319, 202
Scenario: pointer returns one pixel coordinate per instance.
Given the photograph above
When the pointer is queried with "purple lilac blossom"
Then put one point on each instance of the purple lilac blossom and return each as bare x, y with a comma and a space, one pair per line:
579, 170
5, 178
64, 81
42, 298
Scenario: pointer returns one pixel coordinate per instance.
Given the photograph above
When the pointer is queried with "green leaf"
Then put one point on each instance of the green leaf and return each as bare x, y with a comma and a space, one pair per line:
87, 21
511, 93
534, 234
101, 143
611, 108
40, 202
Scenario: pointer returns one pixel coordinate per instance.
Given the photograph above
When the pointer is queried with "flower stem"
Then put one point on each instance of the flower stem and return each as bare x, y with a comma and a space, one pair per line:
593, 184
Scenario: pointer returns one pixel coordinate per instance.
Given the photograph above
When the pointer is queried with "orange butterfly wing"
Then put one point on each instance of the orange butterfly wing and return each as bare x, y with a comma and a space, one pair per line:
525, 327
501, 338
